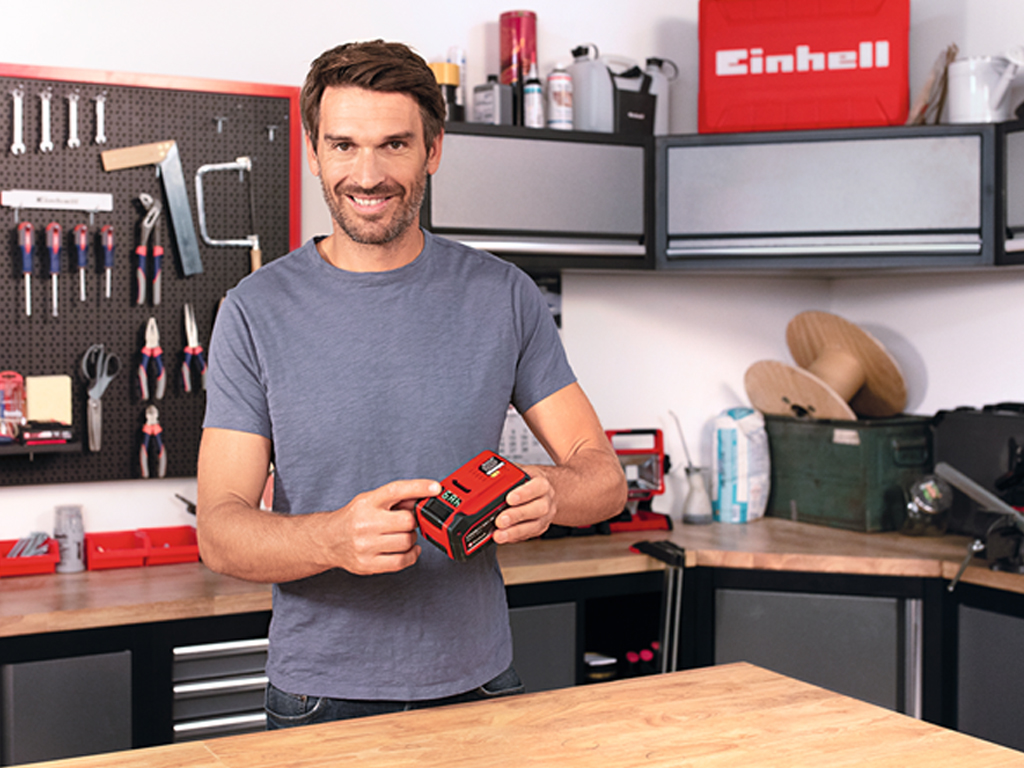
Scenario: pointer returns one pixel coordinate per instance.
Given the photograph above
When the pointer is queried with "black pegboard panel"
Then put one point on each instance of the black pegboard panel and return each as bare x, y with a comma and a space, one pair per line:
209, 126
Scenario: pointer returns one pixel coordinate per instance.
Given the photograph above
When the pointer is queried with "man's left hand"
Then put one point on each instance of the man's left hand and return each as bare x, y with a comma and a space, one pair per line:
531, 510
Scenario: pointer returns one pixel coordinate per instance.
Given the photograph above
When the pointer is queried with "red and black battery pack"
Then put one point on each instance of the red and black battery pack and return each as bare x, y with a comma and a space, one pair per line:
460, 520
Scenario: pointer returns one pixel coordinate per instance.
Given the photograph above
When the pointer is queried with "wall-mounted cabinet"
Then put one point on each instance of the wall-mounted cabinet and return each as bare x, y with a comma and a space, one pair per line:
908, 197
545, 199
925, 197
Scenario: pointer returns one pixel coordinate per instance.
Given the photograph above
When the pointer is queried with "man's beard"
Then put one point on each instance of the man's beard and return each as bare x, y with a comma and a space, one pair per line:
367, 231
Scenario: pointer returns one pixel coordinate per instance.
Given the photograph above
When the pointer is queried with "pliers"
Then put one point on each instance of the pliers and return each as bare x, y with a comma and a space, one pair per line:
152, 208
151, 434
152, 355
193, 352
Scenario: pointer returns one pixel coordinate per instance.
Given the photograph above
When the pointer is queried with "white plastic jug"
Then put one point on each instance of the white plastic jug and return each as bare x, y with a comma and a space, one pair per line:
662, 72
593, 95
979, 88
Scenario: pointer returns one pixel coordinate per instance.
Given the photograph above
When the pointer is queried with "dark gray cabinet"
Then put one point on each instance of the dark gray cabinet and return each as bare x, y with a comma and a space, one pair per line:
545, 199
909, 197
990, 665
58, 708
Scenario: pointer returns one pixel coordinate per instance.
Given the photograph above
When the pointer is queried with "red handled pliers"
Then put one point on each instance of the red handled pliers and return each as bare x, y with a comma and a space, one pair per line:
152, 355
151, 433
193, 352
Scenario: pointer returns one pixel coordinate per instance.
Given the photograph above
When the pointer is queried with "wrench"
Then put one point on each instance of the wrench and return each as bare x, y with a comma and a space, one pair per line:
73, 141
18, 147
45, 145
101, 101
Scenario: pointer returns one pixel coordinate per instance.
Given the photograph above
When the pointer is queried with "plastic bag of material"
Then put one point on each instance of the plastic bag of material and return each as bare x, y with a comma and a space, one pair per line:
740, 466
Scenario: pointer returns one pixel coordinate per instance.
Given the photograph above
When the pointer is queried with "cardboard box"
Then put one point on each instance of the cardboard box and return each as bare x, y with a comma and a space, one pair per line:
770, 65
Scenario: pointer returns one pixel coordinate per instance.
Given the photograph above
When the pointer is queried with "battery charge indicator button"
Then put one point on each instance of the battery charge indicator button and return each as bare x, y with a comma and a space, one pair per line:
491, 466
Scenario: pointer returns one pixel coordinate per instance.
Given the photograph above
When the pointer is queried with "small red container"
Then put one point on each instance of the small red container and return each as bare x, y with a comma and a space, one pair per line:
176, 544
115, 549
767, 65
26, 566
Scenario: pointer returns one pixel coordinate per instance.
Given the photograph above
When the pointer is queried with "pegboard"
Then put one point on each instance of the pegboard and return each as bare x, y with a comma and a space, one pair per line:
211, 122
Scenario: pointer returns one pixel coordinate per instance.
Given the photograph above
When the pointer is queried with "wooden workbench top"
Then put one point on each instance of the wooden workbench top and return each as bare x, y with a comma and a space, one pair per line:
730, 715
57, 602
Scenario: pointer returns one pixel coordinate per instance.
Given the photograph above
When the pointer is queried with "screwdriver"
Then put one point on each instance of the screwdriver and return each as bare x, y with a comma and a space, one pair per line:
107, 240
80, 236
53, 233
26, 241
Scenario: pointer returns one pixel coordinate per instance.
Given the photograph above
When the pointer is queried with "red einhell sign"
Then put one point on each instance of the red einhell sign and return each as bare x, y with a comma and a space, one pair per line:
767, 65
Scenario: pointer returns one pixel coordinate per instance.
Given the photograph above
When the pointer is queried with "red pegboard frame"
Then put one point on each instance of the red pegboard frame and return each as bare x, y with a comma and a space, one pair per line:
204, 85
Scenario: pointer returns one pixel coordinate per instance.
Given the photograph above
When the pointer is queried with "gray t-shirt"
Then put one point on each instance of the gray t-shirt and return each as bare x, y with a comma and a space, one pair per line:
363, 378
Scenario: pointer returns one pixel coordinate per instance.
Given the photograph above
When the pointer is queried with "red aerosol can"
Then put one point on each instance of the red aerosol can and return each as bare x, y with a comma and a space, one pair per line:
518, 49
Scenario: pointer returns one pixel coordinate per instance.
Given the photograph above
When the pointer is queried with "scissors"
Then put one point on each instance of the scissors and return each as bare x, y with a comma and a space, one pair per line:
99, 368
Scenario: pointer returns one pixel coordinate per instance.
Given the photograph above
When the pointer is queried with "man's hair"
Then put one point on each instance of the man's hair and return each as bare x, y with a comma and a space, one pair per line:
376, 66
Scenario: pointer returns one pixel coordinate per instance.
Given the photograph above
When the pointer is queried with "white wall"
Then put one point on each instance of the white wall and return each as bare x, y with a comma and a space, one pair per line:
642, 344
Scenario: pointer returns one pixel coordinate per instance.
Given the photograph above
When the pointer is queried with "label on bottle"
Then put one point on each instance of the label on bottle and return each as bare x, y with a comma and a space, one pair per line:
533, 104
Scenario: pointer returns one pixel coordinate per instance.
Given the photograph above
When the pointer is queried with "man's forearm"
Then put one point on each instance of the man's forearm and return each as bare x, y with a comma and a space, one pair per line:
258, 545
589, 487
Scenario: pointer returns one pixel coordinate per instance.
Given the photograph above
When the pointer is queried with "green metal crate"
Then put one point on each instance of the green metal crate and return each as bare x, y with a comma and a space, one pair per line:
846, 474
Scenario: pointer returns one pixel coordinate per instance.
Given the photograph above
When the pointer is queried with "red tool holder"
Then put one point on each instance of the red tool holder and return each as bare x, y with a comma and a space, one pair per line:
642, 455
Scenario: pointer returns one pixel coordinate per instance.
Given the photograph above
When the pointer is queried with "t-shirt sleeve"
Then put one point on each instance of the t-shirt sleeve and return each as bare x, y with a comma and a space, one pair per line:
543, 367
235, 393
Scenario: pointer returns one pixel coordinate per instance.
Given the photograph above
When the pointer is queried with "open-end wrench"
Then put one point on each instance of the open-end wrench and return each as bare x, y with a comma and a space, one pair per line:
73, 141
18, 145
45, 143
101, 101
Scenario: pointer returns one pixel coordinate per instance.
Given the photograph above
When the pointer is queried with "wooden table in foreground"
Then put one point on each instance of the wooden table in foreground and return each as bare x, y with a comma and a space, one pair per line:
733, 715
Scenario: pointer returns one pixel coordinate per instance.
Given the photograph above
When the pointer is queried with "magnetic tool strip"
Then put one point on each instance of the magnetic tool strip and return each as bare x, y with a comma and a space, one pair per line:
210, 121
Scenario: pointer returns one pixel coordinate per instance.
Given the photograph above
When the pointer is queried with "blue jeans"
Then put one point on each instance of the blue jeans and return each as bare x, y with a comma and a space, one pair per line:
287, 710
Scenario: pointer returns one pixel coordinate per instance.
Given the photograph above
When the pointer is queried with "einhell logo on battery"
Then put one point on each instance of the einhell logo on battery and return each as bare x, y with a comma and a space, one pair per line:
753, 61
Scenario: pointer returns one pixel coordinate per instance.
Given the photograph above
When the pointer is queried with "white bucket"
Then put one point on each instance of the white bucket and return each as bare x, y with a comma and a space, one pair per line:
979, 90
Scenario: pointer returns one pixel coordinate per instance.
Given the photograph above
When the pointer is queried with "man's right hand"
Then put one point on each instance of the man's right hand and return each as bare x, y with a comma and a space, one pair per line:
376, 531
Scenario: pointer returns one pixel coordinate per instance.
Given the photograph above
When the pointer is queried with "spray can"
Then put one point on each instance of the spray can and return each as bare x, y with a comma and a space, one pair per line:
560, 99
593, 94
70, 536
533, 100
518, 50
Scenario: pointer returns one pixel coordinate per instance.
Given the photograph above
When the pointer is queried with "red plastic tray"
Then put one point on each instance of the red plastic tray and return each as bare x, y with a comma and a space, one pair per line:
115, 549
176, 544
25, 566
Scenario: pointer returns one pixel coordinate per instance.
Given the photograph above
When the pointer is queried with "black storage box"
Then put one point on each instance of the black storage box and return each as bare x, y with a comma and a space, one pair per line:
985, 444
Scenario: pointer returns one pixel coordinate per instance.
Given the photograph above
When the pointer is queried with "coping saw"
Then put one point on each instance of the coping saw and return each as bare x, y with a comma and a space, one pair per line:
164, 155
242, 165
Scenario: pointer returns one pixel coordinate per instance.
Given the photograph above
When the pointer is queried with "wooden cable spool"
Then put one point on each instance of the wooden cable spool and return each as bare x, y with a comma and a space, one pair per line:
844, 372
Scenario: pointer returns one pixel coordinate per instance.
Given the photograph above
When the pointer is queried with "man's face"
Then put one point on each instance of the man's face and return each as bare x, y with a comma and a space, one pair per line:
372, 162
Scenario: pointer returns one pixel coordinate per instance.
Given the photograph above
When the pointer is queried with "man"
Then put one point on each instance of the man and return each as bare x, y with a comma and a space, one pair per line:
370, 363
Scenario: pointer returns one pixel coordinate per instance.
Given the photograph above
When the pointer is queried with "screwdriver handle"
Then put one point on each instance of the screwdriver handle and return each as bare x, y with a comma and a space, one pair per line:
80, 236
26, 241
53, 232
107, 240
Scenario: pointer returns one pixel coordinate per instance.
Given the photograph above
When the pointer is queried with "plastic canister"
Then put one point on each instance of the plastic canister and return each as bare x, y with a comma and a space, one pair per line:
593, 94
658, 69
